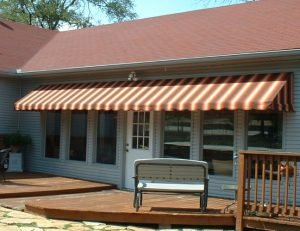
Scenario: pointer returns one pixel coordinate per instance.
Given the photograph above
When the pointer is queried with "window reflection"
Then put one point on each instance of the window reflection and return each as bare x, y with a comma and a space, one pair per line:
53, 134
265, 130
107, 137
78, 136
218, 137
177, 134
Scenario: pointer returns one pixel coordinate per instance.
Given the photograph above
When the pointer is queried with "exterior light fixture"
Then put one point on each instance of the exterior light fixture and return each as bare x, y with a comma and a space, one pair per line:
132, 76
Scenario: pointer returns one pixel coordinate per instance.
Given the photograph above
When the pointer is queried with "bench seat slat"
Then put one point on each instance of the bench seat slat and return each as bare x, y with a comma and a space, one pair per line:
168, 187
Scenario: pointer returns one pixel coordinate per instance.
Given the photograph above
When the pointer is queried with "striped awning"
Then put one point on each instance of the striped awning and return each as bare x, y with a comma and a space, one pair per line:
246, 92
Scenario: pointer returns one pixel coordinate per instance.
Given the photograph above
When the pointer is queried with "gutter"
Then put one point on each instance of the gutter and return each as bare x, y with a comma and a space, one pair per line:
133, 65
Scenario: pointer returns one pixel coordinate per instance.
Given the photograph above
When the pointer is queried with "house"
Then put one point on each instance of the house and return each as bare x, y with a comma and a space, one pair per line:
198, 85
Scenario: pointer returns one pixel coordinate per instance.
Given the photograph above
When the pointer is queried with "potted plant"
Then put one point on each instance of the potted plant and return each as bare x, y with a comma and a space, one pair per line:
17, 142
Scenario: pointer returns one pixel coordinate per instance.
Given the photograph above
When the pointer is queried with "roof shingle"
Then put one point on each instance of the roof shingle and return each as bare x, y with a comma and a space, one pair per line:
19, 42
266, 25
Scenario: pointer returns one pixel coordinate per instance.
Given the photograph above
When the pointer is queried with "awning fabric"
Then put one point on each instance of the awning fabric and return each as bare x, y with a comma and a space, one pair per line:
246, 92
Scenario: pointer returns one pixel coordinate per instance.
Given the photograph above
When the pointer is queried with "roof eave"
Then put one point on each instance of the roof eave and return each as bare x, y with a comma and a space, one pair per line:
203, 59
9, 74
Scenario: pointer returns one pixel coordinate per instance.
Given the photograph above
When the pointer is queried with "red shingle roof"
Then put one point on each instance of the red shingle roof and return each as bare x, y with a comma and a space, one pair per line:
266, 25
19, 42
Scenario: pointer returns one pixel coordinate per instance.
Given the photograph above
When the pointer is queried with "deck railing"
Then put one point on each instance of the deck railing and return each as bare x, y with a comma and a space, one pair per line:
267, 186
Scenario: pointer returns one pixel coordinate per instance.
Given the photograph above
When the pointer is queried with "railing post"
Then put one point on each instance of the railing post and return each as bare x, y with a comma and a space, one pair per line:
241, 194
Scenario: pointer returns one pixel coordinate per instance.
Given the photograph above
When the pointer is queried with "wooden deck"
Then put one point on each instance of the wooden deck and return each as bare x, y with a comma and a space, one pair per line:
37, 184
116, 206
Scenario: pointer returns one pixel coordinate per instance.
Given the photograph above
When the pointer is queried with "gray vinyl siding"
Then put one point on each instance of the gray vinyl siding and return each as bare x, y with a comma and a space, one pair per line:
291, 130
32, 123
9, 93
195, 136
157, 134
292, 120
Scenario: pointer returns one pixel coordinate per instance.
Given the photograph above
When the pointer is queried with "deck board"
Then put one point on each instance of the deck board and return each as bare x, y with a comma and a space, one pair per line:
38, 184
116, 206
73, 199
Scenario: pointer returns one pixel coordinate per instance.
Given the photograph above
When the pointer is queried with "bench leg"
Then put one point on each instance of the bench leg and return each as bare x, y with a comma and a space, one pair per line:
134, 199
203, 202
137, 202
3, 175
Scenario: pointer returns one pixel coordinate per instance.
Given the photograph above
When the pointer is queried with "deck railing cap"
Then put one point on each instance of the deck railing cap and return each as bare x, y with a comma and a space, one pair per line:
269, 153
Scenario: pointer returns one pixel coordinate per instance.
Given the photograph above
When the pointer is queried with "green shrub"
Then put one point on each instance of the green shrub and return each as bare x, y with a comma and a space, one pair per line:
17, 141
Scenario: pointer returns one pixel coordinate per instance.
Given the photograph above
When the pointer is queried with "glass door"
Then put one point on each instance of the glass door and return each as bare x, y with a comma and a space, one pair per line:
139, 142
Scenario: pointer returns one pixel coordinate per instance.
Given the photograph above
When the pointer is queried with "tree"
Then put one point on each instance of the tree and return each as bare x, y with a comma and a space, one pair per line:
53, 14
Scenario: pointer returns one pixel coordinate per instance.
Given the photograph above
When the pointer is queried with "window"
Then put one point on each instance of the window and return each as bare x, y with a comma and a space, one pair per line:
141, 130
107, 137
52, 143
264, 130
264, 133
218, 137
78, 136
177, 134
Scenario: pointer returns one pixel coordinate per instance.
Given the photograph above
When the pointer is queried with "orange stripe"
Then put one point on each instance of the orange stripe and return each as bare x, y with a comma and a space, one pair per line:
225, 98
35, 104
173, 103
195, 105
208, 103
128, 103
34, 97
81, 95
50, 98
74, 93
96, 103
241, 92
169, 92
122, 97
100, 90
141, 103
182, 105
57, 102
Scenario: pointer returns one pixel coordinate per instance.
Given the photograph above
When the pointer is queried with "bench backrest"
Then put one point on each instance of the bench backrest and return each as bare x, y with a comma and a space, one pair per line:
171, 170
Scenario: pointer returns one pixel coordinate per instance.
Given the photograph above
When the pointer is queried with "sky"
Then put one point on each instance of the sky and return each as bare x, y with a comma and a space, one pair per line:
152, 8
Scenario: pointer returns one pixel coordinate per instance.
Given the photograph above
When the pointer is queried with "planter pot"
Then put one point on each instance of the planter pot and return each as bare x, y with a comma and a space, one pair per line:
15, 162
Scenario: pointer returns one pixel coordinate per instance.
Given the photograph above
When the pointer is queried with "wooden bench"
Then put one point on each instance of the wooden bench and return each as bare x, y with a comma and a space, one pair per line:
166, 175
